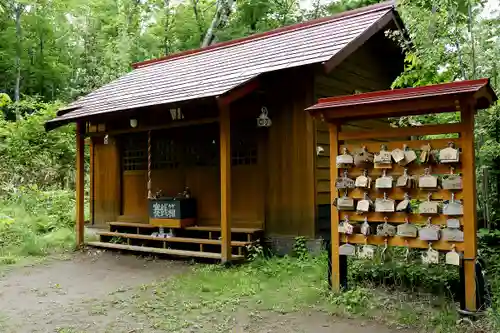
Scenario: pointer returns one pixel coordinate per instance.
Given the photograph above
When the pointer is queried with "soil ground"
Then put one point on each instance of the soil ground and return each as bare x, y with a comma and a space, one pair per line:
92, 291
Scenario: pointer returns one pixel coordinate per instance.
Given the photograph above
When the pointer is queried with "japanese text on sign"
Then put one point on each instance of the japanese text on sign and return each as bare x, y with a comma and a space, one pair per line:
163, 210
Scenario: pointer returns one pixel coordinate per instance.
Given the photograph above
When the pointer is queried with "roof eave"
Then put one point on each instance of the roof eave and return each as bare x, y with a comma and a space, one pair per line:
350, 48
403, 103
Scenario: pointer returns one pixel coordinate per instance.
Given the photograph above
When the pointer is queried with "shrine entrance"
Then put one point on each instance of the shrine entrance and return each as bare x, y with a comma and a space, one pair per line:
188, 157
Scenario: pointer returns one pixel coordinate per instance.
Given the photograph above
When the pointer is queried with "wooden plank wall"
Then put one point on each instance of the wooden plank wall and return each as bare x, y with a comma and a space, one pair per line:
106, 182
360, 72
337, 84
291, 189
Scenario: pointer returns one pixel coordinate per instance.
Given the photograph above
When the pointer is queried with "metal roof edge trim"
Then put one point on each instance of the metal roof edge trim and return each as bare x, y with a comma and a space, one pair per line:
388, 5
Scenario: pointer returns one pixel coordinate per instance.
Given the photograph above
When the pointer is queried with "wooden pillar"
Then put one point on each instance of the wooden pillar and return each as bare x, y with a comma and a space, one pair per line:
92, 181
335, 241
80, 183
225, 182
469, 204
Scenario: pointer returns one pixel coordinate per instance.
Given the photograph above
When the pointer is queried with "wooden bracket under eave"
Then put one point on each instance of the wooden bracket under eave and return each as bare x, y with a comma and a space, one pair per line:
239, 92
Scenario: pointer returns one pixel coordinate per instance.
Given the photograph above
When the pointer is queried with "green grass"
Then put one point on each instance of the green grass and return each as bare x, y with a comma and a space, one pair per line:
212, 295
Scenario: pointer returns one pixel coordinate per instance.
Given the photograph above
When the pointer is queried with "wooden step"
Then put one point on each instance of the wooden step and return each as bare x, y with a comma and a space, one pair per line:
171, 239
217, 229
181, 253
194, 228
132, 225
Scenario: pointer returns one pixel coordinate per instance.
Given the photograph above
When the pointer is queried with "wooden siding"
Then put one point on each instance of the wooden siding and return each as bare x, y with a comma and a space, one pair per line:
361, 72
106, 182
290, 197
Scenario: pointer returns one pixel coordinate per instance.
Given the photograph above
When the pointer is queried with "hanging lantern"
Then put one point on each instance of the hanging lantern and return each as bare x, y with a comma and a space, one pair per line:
263, 120
106, 139
133, 123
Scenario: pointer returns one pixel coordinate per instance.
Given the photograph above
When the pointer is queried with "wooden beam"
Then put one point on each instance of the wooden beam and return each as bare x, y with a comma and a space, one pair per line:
80, 183
239, 92
401, 241
402, 132
335, 241
176, 124
469, 204
182, 253
225, 181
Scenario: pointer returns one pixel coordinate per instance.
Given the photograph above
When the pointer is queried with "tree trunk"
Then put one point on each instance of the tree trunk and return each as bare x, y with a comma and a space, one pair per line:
199, 23
222, 12
166, 41
18, 11
42, 65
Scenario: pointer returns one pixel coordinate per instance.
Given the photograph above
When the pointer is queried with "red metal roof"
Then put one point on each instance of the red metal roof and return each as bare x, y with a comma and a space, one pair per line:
215, 70
388, 96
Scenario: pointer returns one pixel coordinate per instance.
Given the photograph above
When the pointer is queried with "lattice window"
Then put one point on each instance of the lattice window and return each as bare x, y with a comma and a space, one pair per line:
164, 153
244, 152
205, 153
135, 151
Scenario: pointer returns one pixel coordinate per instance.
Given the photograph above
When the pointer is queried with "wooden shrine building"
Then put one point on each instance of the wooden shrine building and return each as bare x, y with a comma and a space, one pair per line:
227, 122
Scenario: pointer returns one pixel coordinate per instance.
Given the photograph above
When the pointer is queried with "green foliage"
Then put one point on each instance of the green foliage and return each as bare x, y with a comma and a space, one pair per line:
414, 276
4, 100
342, 6
255, 251
35, 223
36, 181
300, 247
32, 156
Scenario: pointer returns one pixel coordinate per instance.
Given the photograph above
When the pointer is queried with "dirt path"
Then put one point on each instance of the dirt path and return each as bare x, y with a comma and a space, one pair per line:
75, 296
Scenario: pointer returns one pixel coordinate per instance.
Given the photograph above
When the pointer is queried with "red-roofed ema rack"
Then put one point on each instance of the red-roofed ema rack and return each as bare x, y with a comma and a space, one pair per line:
480, 90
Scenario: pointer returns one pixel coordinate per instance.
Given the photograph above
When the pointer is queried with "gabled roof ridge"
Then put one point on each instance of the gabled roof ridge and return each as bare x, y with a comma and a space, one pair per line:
271, 33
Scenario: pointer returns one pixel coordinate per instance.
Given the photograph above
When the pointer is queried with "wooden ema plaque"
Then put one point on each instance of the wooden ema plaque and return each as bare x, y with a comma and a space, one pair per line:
422, 180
